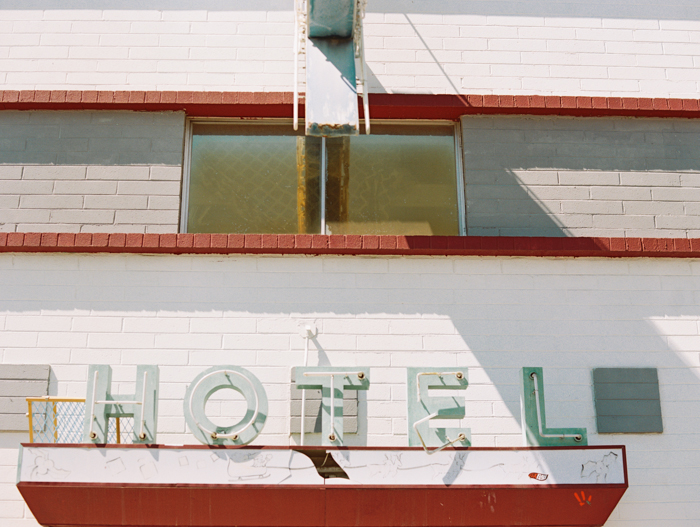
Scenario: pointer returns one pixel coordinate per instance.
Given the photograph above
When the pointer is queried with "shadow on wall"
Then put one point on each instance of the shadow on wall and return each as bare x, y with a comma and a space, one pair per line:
559, 176
643, 9
91, 138
491, 315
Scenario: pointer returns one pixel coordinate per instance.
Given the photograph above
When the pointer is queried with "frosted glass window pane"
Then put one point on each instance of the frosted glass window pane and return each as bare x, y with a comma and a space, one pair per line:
386, 183
260, 178
252, 179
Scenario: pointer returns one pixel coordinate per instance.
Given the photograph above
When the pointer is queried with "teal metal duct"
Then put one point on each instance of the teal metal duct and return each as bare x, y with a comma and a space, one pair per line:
330, 32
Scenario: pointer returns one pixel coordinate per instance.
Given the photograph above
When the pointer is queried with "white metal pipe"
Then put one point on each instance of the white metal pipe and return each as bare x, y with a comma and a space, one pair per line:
365, 92
332, 374
332, 437
142, 434
92, 409
460, 437
324, 170
577, 437
360, 374
117, 402
296, 65
303, 392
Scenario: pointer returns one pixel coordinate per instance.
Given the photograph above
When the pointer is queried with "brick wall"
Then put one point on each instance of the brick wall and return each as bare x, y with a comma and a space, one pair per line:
647, 48
492, 315
532, 176
90, 171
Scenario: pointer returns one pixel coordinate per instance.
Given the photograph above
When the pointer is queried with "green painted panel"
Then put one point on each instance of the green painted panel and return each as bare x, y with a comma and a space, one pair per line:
627, 400
618, 375
608, 407
630, 424
331, 18
102, 391
421, 405
350, 378
627, 391
207, 384
534, 425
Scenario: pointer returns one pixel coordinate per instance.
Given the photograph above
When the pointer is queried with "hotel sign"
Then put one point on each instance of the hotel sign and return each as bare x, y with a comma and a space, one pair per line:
437, 481
422, 406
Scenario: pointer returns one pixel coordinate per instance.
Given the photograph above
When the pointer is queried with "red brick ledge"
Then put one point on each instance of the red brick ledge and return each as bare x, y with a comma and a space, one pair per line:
384, 106
317, 244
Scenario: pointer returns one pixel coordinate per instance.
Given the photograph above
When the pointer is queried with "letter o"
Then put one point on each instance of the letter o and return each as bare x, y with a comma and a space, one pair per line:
219, 378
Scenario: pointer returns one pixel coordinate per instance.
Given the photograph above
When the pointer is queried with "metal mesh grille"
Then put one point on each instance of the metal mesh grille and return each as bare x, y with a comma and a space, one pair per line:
61, 421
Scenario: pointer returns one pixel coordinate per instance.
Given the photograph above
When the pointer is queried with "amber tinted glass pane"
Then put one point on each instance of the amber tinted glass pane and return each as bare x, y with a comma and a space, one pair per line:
399, 180
253, 179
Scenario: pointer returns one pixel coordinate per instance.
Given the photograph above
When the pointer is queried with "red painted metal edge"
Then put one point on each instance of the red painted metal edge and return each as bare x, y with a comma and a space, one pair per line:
384, 105
319, 448
317, 244
142, 505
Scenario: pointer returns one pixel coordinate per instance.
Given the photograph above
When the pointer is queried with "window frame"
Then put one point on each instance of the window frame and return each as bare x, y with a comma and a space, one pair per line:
187, 157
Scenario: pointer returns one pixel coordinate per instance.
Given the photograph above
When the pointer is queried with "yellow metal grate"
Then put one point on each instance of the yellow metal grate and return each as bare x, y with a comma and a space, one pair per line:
60, 420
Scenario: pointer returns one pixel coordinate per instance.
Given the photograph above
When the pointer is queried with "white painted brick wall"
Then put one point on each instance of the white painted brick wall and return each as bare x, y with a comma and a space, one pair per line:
648, 48
492, 315
531, 176
90, 171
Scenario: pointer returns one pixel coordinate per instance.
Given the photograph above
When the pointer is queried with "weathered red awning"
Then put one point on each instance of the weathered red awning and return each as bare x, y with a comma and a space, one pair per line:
277, 487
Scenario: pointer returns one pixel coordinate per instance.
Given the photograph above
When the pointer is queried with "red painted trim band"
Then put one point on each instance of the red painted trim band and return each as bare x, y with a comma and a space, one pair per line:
311, 447
384, 105
317, 244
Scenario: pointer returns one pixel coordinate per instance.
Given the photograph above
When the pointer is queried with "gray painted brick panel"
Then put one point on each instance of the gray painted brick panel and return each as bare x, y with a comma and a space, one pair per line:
159, 173
72, 162
623, 222
675, 194
119, 173
313, 425
592, 207
85, 187
23, 388
602, 166
24, 216
160, 229
589, 178
690, 180
116, 202
10, 172
692, 209
53, 172
164, 202
161, 188
9, 202
13, 405
621, 193
678, 222
26, 187
51, 202
82, 216
123, 227
654, 207
13, 423
148, 217
46, 227
650, 179
29, 372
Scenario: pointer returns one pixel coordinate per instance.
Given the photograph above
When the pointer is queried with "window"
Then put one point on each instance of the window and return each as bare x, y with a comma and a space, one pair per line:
265, 178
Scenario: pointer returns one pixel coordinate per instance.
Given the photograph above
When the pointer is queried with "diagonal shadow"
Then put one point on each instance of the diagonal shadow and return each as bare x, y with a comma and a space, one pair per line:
644, 10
